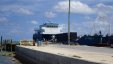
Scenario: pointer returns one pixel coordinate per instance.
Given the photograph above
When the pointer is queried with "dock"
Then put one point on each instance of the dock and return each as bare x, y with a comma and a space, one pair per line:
62, 54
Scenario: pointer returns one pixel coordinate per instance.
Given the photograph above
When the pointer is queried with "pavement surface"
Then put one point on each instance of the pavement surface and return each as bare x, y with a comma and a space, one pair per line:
103, 50
102, 55
4, 59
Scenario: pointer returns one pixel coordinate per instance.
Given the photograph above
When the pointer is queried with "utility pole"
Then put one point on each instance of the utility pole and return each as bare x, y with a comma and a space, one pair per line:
69, 22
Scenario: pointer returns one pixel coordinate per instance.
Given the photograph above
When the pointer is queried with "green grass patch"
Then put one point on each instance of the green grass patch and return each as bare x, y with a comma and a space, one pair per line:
7, 53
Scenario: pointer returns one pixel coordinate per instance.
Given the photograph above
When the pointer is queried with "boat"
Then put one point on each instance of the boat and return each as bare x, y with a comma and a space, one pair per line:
52, 32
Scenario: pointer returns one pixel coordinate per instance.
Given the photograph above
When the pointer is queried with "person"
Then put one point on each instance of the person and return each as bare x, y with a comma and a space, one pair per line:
35, 36
46, 42
53, 38
39, 40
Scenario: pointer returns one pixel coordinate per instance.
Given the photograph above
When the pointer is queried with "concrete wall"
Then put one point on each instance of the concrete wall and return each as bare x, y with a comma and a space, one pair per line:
38, 57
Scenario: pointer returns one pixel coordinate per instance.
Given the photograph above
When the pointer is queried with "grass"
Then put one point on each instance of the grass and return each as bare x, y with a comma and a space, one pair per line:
3, 53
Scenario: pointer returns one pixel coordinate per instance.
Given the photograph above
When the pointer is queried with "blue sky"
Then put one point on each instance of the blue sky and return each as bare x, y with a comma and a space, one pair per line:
18, 18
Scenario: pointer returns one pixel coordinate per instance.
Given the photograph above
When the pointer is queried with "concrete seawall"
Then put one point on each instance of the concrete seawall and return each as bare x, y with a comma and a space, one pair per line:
41, 57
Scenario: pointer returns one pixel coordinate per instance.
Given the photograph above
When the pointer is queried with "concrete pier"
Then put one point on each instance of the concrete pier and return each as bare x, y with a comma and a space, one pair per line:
38, 55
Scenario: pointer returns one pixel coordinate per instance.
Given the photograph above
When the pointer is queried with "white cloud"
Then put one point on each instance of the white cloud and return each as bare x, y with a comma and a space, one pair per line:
76, 7
3, 19
94, 26
16, 9
89, 27
102, 8
50, 14
103, 20
34, 22
23, 11
15, 31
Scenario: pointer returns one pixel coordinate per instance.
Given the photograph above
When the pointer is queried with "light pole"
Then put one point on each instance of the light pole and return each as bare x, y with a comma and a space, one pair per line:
69, 23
